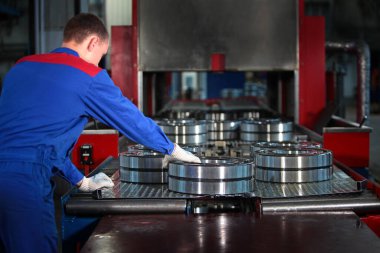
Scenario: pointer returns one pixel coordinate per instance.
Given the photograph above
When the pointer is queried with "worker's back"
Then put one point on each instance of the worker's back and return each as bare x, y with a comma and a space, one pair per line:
42, 101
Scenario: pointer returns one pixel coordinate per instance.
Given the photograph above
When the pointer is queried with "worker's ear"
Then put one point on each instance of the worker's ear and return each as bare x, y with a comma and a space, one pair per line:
94, 40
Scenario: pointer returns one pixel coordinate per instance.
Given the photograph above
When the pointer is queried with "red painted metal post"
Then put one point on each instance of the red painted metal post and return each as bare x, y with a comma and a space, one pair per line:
122, 60
312, 86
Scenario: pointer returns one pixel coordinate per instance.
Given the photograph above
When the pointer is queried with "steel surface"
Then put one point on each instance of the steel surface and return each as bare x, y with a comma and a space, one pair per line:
285, 144
339, 184
333, 232
209, 188
141, 160
188, 139
222, 136
294, 158
220, 126
150, 176
213, 168
183, 35
269, 137
178, 127
293, 165
266, 126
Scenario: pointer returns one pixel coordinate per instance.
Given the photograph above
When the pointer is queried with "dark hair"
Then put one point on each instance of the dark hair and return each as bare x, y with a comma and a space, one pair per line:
79, 27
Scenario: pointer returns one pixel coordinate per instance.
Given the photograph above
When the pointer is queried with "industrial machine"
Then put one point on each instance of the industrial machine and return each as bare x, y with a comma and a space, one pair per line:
275, 176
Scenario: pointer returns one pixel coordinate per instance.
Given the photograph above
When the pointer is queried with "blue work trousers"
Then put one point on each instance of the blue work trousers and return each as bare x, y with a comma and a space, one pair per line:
27, 222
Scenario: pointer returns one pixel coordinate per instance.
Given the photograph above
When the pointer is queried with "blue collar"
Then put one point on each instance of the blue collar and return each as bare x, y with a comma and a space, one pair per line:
65, 50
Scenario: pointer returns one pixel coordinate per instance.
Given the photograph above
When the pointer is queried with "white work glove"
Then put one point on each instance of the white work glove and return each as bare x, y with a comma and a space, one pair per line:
180, 154
95, 182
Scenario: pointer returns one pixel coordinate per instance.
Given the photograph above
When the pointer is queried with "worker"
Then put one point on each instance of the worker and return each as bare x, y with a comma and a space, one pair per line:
46, 102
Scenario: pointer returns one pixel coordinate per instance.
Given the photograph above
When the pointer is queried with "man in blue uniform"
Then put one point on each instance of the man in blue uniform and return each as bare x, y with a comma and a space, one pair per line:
45, 103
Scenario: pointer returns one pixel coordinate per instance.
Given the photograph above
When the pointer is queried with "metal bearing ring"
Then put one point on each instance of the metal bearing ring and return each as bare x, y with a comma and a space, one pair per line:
293, 165
222, 136
142, 167
181, 127
189, 139
215, 175
266, 126
220, 126
268, 137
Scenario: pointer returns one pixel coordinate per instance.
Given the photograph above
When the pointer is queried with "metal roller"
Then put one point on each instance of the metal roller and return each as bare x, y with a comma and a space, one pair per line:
284, 144
140, 167
189, 139
221, 116
222, 136
210, 188
182, 127
215, 175
197, 150
125, 206
220, 126
213, 168
266, 126
293, 165
268, 137
148, 176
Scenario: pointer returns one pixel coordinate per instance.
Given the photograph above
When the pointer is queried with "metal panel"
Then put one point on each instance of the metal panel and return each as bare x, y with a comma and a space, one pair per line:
230, 232
252, 34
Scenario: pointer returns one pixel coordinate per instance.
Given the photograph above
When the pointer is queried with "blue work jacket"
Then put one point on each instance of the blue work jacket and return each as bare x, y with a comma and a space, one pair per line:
47, 100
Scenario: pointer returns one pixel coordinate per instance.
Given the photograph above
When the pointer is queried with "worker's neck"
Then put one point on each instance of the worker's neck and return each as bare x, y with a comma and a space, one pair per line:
79, 48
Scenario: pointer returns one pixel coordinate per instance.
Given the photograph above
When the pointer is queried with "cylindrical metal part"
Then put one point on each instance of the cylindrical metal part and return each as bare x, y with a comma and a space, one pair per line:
213, 168
183, 127
221, 115
124, 206
284, 144
357, 205
220, 126
222, 136
266, 126
189, 139
293, 165
140, 167
146, 176
210, 188
269, 137
141, 161
215, 175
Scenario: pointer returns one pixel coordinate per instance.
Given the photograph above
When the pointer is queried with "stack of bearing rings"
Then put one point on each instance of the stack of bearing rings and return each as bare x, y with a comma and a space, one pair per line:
142, 166
221, 115
185, 131
266, 130
215, 175
226, 130
293, 165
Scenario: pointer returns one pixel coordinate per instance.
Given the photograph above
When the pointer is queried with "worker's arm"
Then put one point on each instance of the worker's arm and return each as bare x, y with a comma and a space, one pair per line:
105, 102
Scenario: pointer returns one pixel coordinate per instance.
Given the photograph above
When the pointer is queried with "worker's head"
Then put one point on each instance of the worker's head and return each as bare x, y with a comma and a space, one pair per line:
86, 34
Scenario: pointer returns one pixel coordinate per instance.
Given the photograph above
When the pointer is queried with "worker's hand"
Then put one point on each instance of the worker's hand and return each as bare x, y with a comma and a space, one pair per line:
95, 182
180, 154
